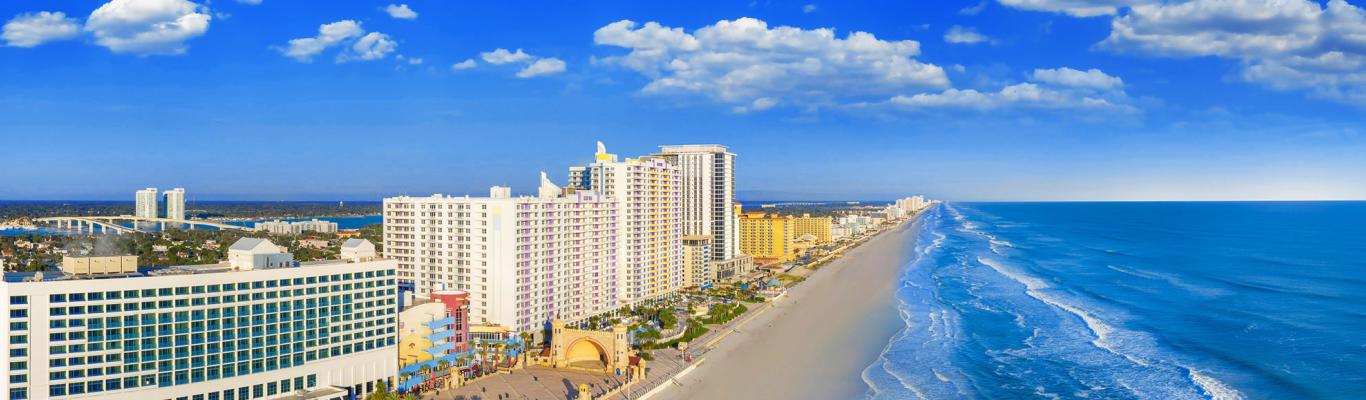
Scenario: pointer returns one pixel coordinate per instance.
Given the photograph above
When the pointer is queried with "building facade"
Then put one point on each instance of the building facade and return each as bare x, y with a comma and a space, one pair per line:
145, 205
524, 260
175, 203
648, 194
697, 261
707, 172
223, 331
768, 238
818, 227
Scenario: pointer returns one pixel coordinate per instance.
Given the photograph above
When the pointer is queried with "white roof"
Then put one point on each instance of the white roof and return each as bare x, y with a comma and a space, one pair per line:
254, 245
354, 243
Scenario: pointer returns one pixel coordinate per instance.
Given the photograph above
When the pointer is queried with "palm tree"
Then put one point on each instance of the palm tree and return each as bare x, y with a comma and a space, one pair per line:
425, 370
526, 347
443, 365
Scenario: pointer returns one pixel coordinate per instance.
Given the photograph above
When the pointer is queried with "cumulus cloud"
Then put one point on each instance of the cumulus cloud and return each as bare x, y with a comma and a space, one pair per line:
147, 27
1075, 8
809, 8
400, 11
330, 34
502, 56
1048, 89
32, 29
372, 46
544, 66
1089, 79
464, 65
744, 61
361, 46
1281, 44
965, 35
973, 10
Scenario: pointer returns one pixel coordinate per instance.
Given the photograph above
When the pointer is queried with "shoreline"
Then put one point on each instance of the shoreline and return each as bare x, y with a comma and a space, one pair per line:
817, 339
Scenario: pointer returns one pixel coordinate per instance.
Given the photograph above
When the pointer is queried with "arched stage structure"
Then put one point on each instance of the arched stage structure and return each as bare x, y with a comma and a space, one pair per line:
596, 351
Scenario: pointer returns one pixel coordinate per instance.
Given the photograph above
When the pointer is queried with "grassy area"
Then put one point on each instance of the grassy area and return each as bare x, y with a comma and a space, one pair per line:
789, 279
723, 313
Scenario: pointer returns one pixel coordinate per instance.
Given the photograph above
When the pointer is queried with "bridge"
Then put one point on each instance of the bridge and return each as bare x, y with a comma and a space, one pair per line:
110, 223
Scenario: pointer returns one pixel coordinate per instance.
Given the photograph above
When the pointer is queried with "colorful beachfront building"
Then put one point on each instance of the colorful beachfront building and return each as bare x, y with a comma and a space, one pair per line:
258, 326
433, 335
648, 194
523, 260
768, 238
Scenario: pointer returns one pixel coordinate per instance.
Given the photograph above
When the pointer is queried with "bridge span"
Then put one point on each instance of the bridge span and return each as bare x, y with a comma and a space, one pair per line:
111, 223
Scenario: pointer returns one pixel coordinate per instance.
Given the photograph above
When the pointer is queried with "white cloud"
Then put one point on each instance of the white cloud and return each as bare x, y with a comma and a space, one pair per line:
1281, 44
413, 60
331, 34
372, 46
965, 35
974, 10
544, 66
1089, 79
147, 27
464, 65
809, 8
251, 2
742, 61
1049, 89
400, 11
1075, 8
503, 56
32, 29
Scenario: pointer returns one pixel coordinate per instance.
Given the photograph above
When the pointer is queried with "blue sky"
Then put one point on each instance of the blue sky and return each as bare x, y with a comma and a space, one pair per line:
961, 100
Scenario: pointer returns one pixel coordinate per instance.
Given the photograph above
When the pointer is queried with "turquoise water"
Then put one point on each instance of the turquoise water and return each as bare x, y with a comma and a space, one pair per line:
1132, 301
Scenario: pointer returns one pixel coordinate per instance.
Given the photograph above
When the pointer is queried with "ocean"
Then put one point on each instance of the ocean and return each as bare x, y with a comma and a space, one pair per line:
1238, 300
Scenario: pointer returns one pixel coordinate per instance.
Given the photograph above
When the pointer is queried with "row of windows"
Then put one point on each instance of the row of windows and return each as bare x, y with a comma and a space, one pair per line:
215, 288
216, 300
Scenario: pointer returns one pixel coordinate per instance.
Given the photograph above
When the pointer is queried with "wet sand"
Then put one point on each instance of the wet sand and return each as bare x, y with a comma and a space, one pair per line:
815, 342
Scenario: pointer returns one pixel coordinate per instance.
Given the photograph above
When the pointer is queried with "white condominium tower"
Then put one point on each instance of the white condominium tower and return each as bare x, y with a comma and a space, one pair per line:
258, 326
175, 203
524, 260
146, 206
708, 173
650, 238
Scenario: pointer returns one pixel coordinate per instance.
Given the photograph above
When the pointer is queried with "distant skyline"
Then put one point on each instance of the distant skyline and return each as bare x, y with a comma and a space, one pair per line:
1005, 100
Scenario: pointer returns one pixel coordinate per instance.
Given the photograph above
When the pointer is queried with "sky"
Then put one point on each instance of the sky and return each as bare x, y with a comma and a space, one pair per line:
998, 100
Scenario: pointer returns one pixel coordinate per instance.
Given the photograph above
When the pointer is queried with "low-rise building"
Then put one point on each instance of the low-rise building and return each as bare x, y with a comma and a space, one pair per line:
258, 326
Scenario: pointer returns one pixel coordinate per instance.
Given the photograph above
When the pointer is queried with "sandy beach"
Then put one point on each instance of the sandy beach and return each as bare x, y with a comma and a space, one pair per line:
815, 342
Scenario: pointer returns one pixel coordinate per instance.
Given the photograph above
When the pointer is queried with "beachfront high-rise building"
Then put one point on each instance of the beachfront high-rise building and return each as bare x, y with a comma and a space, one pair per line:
768, 238
913, 204
697, 261
647, 191
708, 175
146, 204
175, 203
818, 227
259, 326
524, 260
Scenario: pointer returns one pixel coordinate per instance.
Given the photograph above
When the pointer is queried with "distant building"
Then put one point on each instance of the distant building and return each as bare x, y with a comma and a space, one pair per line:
257, 327
175, 203
648, 192
697, 261
279, 227
767, 237
146, 204
524, 260
316, 244
817, 227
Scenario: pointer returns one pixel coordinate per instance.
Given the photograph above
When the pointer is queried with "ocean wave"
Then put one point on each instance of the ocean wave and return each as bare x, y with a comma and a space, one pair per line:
1034, 287
1214, 388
